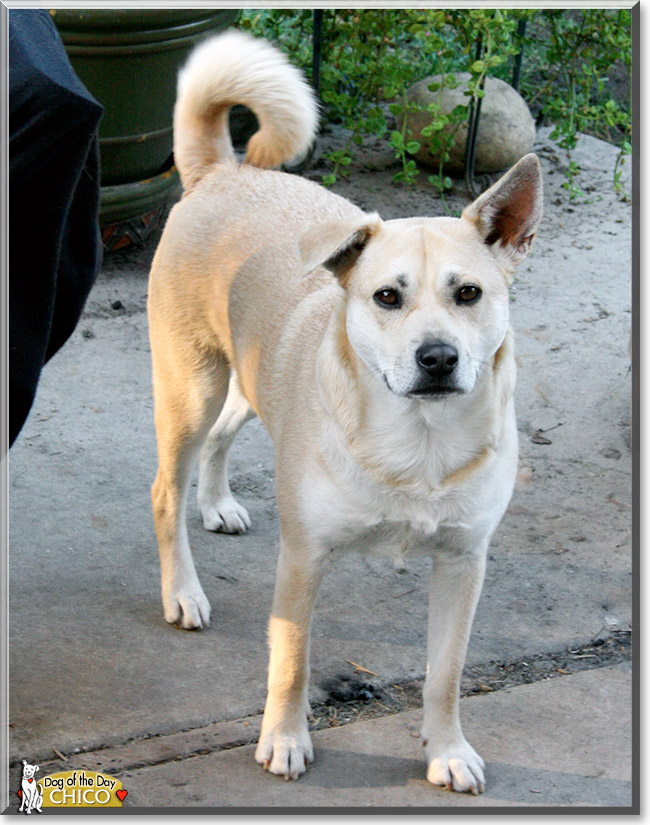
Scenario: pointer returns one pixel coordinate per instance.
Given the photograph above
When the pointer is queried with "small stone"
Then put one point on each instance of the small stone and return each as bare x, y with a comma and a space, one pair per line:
117, 305
506, 129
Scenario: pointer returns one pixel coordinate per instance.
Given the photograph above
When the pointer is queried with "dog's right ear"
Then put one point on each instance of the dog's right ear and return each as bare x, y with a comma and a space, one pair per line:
508, 213
337, 245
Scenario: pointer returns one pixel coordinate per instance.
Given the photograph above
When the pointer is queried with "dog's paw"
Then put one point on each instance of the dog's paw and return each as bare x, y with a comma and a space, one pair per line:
187, 607
285, 754
457, 769
226, 516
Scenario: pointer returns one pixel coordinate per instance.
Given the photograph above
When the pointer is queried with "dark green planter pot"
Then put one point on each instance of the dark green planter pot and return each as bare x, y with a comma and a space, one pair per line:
130, 212
129, 60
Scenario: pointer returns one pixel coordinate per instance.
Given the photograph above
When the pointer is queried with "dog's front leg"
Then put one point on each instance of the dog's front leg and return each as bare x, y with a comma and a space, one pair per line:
456, 582
285, 746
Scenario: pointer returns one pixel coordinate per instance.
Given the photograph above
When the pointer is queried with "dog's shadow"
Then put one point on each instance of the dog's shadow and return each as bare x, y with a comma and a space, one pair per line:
506, 784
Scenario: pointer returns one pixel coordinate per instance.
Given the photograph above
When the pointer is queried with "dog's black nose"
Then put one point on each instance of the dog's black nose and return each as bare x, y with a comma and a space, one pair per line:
437, 359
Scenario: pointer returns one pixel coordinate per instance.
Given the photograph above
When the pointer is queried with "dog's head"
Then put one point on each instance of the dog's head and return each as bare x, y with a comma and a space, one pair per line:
427, 298
29, 770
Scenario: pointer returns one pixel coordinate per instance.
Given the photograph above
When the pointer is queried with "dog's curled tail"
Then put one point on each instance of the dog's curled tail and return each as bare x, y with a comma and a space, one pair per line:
235, 68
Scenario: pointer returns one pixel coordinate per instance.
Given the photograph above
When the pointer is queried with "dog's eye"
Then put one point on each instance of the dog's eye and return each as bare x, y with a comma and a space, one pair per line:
468, 294
388, 298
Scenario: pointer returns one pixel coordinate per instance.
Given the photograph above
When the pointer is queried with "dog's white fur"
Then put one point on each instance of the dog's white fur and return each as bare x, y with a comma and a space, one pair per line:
32, 791
266, 297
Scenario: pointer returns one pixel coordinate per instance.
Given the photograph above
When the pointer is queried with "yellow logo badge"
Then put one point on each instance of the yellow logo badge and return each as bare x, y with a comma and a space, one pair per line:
79, 789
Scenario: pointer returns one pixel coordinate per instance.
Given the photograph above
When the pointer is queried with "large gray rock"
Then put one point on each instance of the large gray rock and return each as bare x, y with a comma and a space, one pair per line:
506, 130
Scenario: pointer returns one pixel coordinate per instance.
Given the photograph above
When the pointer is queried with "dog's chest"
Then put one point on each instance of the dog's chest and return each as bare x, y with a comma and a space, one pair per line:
392, 539
362, 516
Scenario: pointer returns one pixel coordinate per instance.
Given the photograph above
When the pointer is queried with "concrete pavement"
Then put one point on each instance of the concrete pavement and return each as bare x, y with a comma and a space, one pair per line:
562, 742
551, 743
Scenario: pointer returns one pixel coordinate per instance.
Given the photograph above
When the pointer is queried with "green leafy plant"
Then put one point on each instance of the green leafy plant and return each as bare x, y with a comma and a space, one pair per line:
372, 56
580, 49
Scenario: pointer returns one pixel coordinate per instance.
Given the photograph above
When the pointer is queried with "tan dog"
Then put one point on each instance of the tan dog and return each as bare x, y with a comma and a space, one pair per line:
376, 353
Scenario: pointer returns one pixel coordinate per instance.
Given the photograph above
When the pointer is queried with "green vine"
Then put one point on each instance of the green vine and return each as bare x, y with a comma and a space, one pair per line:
372, 56
580, 49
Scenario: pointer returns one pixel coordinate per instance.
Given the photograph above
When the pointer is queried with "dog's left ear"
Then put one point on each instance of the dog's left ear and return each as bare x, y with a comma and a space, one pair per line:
508, 213
337, 245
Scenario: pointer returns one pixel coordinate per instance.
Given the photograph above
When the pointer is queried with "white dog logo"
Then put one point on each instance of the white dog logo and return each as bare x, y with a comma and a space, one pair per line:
32, 791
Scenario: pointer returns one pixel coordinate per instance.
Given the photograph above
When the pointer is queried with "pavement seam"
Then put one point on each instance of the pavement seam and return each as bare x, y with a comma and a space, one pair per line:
366, 702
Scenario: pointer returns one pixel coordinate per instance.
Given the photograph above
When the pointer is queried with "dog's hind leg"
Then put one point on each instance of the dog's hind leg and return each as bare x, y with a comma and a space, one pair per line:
188, 396
218, 507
